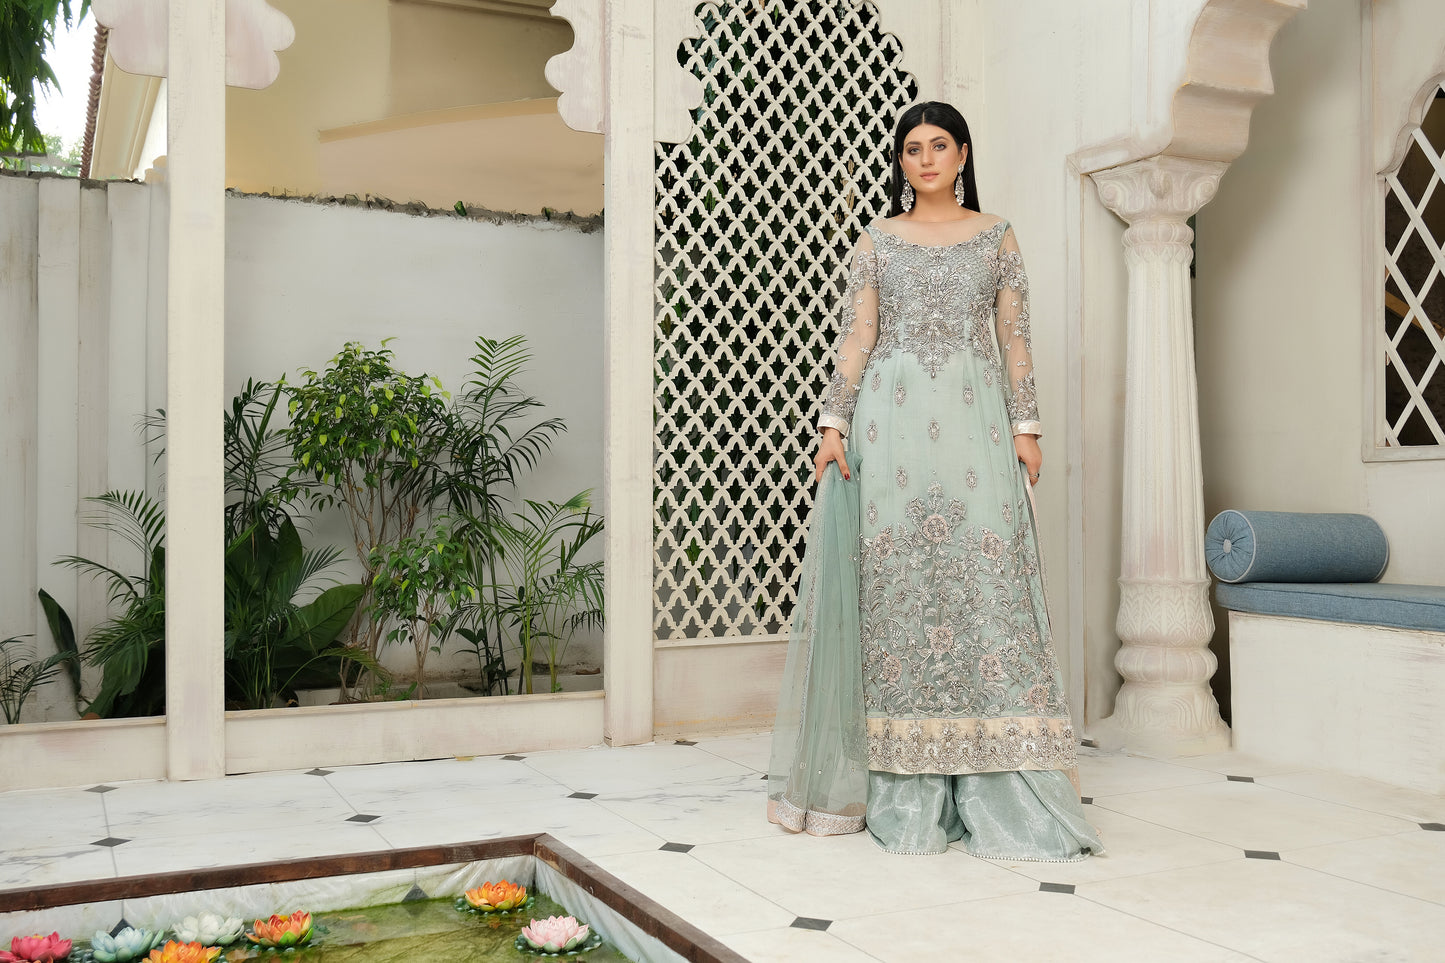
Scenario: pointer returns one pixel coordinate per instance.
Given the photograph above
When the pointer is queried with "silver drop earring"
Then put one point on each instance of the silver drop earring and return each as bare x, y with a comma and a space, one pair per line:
958, 190
907, 195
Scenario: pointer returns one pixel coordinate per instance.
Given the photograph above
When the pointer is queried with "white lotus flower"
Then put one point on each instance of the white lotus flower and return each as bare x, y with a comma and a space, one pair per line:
129, 944
209, 929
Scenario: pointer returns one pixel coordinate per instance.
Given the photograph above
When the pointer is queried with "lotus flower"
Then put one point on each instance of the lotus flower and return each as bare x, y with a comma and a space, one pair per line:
36, 949
281, 931
129, 944
555, 934
209, 929
491, 897
174, 952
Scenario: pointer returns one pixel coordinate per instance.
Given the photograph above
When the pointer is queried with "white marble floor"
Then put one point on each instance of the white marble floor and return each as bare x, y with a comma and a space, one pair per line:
1218, 858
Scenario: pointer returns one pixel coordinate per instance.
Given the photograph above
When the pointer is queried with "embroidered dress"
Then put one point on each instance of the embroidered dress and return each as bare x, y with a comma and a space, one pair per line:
967, 727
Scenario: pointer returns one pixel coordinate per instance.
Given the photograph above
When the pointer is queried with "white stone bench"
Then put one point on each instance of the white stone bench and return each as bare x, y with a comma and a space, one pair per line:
1367, 700
1330, 669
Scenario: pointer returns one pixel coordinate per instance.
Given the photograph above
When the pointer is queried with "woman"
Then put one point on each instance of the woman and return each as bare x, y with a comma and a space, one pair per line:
963, 731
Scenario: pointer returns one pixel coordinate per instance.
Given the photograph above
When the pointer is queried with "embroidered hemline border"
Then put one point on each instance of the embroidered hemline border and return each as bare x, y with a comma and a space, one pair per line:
957, 747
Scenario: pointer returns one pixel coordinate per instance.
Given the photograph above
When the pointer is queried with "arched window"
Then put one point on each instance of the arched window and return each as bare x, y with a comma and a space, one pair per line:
1411, 407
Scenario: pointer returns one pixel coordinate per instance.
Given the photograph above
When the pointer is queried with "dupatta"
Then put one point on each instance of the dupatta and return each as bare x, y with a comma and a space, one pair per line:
818, 775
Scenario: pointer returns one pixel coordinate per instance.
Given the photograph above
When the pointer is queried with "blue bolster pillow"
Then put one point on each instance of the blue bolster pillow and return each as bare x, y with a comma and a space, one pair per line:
1295, 547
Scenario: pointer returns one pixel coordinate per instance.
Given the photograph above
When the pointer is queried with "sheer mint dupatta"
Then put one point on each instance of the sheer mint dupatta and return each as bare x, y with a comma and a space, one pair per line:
818, 777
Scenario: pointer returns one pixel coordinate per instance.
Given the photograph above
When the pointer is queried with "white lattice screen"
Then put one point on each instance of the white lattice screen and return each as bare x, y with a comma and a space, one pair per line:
1414, 320
756, 215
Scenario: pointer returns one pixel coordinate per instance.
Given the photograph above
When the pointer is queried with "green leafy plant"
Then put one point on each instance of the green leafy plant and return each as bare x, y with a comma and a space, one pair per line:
18, 679
366, 438
420, 584
272, 640
129, 647
28, 29
550, 592
489, 445
257, 457
275, 644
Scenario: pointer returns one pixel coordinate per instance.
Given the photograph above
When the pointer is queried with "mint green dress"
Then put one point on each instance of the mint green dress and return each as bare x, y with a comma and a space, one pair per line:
965, 731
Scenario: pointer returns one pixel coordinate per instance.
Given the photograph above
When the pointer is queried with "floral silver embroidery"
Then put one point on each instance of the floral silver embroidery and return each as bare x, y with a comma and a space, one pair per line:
959, 671
950, 298
841, 397
1013, 334
958, 674
872, 431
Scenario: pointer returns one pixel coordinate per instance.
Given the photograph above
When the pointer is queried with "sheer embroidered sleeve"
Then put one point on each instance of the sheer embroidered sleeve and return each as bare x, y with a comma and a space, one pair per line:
1015, 350
858, 320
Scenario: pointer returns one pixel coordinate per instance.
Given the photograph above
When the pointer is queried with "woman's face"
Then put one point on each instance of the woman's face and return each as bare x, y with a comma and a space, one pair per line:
931, 159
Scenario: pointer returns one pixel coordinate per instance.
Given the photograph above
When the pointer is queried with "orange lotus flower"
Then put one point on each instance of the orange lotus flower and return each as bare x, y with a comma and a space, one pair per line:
173, 952
491, 897
282, 931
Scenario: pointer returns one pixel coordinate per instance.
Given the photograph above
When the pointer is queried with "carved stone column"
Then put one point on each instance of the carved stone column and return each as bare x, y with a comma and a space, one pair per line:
1165, 706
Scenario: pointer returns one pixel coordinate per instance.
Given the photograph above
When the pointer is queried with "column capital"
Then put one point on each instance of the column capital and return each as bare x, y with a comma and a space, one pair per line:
1154, 197
1159, 187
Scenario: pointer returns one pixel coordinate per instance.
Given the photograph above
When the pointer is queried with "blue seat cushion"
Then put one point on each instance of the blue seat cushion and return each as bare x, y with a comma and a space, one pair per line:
1242, 546
1368, 603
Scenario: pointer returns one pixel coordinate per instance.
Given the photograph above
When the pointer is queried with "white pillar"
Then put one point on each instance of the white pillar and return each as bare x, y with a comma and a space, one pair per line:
195, 338
1165, 705
627, 360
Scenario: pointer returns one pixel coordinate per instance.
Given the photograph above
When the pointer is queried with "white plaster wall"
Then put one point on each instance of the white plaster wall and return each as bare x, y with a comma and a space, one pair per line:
1285, 278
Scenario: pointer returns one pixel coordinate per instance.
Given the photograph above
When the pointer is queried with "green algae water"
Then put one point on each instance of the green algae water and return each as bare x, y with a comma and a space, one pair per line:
430, 930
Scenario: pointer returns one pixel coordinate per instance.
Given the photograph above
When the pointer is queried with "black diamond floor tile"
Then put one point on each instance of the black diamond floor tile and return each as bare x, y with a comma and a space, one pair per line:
102, 789
809, 923
362, 818
318, 772
683, 742
583, 795
415, 895
1260, 854
675, 847
1433, 827
1240, 778
514, 758
1087, 800
110, 842
1056, 887
1089, 742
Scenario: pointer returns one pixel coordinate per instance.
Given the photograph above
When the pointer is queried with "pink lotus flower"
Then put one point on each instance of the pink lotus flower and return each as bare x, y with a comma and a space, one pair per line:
36, 949
555, 934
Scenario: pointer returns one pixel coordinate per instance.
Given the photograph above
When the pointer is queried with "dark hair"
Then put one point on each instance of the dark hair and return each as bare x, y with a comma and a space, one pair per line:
938, 114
